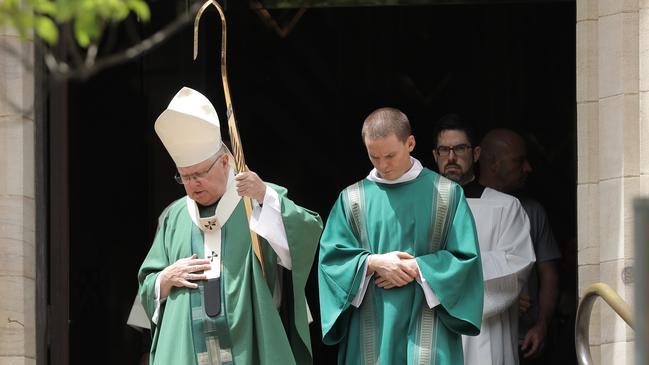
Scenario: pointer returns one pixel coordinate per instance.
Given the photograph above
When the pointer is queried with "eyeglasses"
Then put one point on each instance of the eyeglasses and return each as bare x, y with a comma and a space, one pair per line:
184, 179
459, 150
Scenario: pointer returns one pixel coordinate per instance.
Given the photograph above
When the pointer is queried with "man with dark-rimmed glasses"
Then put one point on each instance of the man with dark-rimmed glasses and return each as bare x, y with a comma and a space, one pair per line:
505, 245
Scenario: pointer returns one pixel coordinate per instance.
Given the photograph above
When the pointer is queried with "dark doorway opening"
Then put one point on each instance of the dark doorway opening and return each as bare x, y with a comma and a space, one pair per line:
300, 102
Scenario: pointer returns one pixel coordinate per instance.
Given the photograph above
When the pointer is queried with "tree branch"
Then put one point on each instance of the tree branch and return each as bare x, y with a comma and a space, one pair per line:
72, 47
61, 70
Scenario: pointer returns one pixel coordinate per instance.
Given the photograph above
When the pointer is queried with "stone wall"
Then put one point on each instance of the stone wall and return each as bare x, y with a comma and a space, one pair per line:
612, 112
17, 205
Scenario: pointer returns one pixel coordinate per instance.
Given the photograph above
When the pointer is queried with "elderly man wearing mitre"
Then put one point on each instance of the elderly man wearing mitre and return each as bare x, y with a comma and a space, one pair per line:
209, 299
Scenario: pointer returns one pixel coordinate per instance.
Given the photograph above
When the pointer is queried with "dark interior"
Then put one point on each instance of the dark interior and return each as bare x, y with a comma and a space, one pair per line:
300, 102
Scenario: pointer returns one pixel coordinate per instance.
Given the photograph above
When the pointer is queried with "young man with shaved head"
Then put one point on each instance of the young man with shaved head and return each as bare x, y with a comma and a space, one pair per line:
400, 276
505, 244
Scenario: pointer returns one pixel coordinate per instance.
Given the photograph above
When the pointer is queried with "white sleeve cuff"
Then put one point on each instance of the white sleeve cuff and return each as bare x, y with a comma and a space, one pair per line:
158, 301
309, 316
358, 299
267, 222
431, 298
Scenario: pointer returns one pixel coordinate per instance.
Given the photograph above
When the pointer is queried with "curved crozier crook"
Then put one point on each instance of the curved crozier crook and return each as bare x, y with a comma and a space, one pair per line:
235, 139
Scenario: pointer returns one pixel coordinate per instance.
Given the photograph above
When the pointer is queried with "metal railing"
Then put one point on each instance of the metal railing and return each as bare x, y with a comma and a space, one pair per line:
582, 321
641, 274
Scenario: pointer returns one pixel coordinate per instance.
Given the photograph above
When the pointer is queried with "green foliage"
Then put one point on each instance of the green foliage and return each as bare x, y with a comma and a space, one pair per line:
46, 29
88, 18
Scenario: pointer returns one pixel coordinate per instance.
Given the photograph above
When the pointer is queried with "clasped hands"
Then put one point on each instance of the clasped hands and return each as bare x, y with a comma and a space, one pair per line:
392, 269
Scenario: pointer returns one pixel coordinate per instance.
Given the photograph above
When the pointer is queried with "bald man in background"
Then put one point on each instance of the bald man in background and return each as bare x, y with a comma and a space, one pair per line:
504, 167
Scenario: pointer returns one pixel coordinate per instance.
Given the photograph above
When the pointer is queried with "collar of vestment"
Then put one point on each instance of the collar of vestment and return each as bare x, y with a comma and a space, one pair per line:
211, 226
224, 208
473, 189
411, 174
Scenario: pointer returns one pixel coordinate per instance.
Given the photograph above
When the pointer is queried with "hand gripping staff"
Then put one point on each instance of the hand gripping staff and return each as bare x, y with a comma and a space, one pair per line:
235, 140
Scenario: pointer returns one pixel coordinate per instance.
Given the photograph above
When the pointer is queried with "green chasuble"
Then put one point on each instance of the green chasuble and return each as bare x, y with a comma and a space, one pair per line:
256, 331
429, 218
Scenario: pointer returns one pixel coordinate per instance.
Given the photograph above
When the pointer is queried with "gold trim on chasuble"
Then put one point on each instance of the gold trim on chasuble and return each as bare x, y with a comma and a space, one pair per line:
426, 340
427, 323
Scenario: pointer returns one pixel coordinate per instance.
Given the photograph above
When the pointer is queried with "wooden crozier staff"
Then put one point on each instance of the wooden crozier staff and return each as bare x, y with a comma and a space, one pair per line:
235, 140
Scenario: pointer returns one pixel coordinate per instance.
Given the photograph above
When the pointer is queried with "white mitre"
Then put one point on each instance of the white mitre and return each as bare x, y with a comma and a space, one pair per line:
189, 128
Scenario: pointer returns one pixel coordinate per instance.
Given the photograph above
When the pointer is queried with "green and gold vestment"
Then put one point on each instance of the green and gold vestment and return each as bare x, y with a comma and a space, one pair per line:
249, 317
429, 218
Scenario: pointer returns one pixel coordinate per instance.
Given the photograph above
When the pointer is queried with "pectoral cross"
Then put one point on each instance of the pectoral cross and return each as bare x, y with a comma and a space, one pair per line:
212, 256
210, 225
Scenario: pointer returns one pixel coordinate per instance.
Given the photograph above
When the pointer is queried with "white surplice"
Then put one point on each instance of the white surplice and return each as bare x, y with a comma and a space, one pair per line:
507, 256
